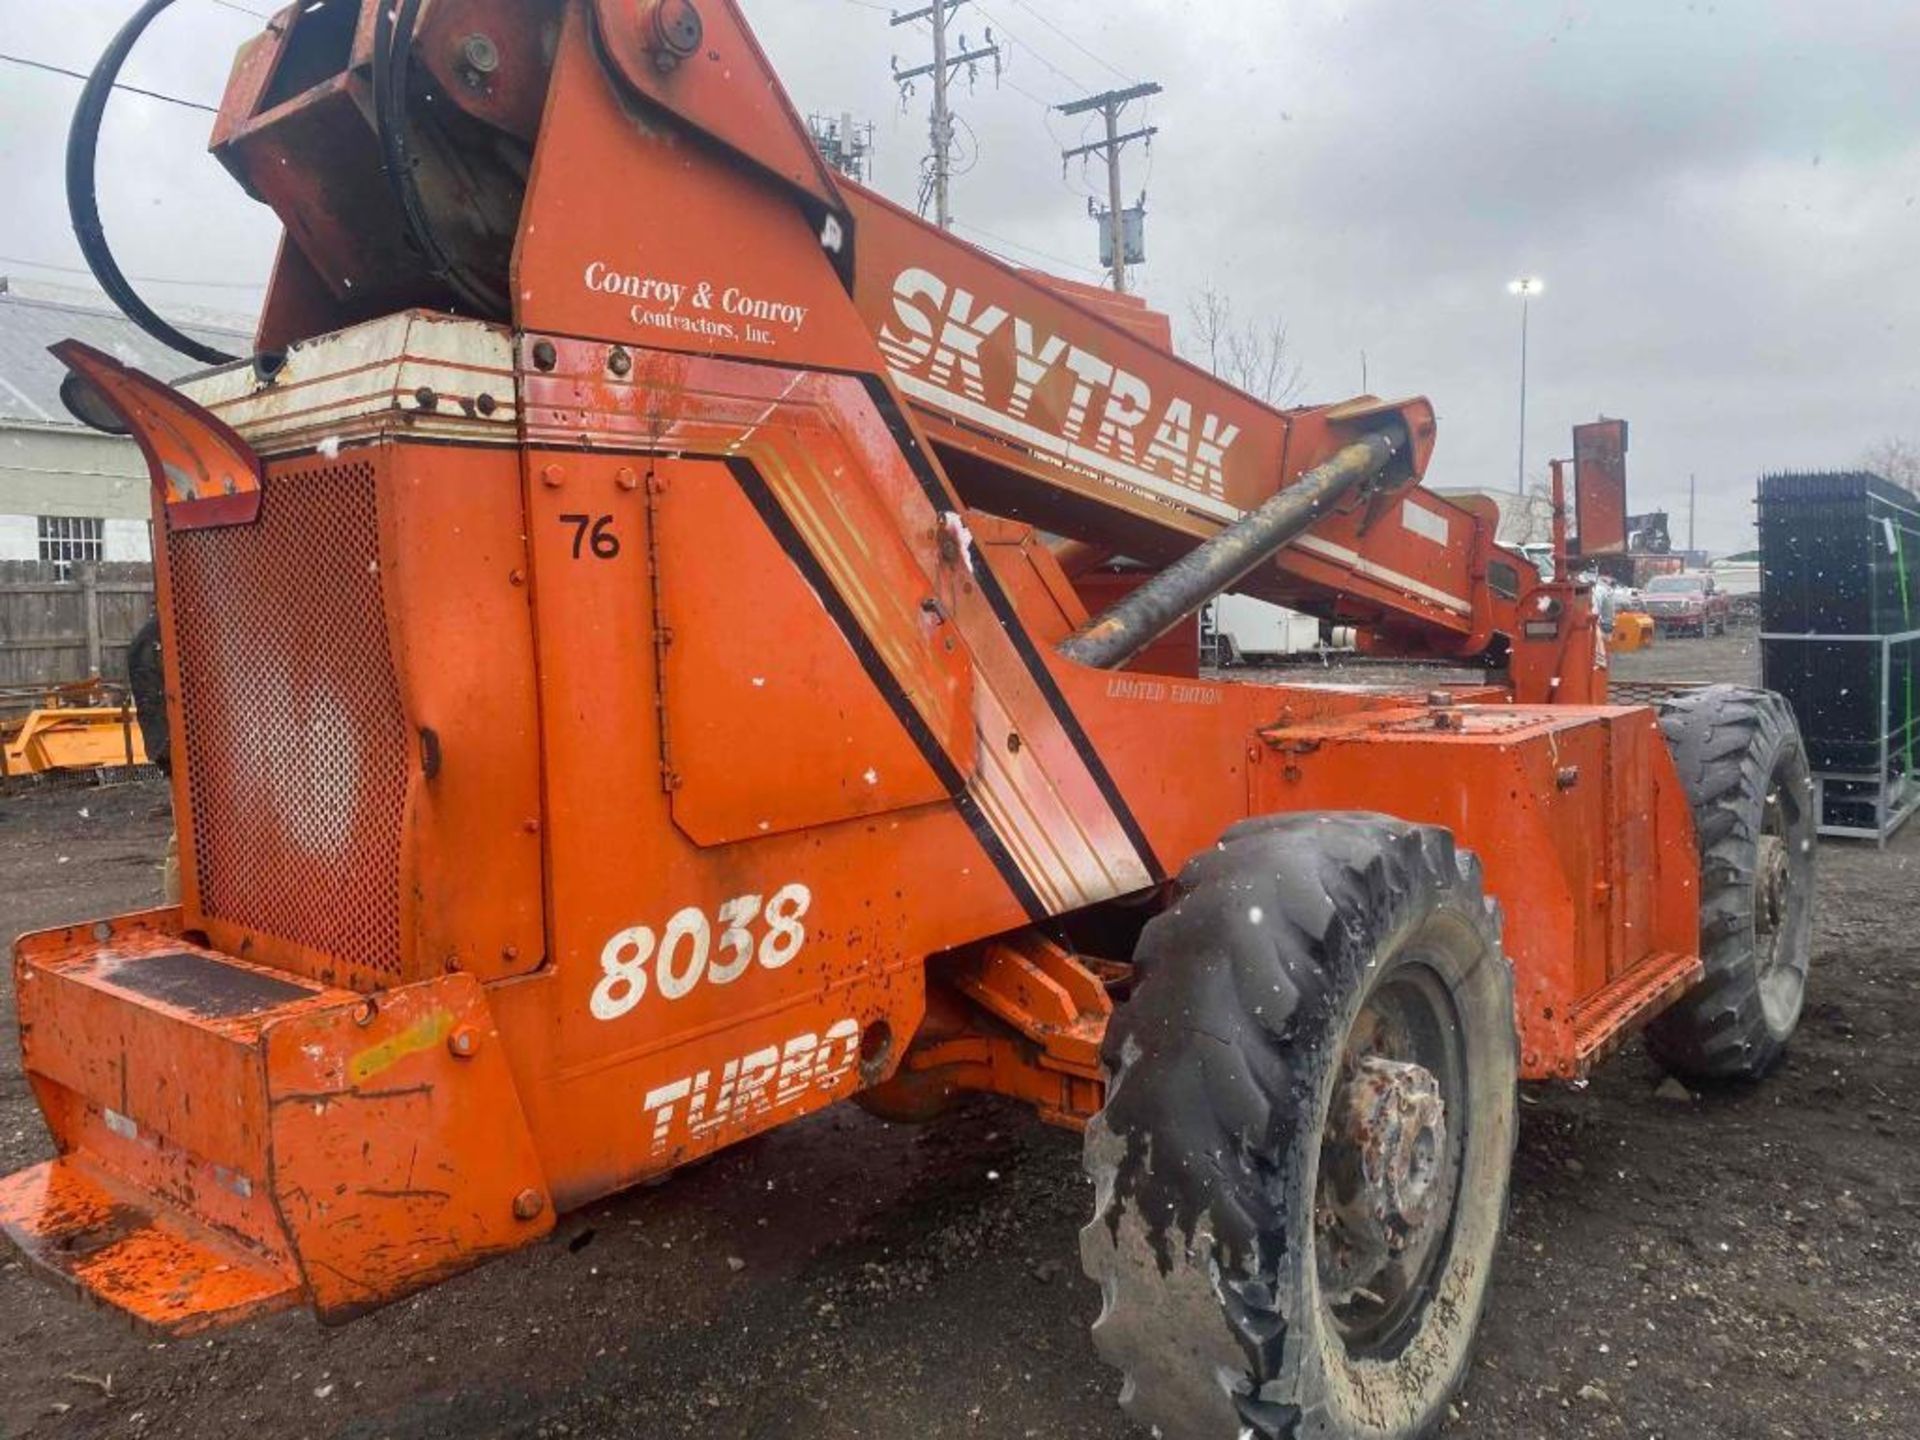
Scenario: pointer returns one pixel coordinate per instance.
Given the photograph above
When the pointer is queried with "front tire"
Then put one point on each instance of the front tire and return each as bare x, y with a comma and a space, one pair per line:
1745, 769
1302, 1166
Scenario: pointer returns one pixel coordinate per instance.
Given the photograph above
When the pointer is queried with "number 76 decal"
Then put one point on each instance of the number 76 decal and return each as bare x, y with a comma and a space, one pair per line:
593, 535
681, 957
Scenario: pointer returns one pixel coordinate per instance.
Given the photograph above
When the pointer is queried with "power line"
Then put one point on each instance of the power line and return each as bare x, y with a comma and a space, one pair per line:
140, 279
82, 77
1029, 249
1022, 91
1098, 60
1047, 111
1032, 50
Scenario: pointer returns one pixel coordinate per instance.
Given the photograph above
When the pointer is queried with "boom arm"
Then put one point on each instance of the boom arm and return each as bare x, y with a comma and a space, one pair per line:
1048, 401
1065, 406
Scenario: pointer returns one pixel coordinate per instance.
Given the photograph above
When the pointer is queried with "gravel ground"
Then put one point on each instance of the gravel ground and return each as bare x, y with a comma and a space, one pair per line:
1741, 1266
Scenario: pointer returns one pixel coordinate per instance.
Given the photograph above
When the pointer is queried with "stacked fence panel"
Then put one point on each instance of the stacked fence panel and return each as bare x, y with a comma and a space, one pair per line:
1840, 621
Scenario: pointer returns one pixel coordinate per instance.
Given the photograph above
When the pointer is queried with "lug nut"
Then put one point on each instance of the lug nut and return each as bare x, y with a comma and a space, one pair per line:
528, 1205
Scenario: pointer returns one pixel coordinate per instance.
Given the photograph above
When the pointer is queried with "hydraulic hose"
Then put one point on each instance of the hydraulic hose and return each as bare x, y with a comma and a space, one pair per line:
83, 199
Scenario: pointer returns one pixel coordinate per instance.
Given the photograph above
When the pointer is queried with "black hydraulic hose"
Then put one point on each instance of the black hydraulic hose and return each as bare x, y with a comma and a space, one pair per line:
83, 199
392, 65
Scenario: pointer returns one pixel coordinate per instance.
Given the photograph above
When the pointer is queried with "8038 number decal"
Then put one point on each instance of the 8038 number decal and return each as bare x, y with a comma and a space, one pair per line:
693, 950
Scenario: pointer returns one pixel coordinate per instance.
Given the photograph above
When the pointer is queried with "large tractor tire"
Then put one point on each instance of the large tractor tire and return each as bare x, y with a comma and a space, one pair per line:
1745, 770
1303, 1162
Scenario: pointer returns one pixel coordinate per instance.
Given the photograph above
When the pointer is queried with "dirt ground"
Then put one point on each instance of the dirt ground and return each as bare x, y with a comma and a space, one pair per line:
1741, 1266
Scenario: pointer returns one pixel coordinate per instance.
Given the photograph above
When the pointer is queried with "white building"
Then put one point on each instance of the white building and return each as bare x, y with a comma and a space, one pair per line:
68, 493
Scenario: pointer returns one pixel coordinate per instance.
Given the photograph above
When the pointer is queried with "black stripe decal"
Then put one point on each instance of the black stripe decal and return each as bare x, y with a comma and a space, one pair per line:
943, 499
760, 495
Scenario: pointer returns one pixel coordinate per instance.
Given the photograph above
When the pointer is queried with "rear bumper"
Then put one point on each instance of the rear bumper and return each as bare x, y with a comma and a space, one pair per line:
233, 1140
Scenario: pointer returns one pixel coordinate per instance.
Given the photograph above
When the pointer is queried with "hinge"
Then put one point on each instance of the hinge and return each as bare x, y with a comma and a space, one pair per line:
670, 779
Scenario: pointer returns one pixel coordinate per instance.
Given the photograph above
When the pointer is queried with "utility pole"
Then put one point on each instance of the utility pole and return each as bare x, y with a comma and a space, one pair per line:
945, 62
1110, 105
845, 145
1693, 507
1526, 289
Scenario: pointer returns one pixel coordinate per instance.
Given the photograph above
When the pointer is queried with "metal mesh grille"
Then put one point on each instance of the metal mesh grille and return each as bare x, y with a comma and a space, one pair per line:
296, 746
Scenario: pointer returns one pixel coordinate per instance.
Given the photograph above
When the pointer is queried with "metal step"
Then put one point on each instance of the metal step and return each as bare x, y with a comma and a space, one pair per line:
116, 1246
234, 1139
1605, 1019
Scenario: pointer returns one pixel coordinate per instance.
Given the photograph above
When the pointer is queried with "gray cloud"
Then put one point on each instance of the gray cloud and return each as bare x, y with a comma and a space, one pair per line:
1722, 197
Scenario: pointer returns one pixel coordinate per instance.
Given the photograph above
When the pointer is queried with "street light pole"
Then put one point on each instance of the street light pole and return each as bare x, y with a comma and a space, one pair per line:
1526, 289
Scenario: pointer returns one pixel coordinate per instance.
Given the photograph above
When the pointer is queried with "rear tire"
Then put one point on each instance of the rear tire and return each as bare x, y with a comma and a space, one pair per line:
1745, 770
1302, 1167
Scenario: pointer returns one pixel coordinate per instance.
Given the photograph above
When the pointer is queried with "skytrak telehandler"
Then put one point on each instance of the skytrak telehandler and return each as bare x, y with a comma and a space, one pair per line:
643, 667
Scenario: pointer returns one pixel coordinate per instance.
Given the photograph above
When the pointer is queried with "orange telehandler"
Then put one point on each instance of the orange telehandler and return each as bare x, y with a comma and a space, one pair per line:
643, 667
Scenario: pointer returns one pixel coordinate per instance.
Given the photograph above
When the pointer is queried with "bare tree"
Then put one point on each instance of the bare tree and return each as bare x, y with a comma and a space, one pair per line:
1210, 318
1895, 459
1254, 357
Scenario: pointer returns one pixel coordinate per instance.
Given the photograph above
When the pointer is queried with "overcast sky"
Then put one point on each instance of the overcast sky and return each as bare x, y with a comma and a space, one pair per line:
1723, 198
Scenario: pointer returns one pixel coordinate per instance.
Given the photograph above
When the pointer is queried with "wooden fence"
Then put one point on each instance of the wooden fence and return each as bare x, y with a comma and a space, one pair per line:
53, 631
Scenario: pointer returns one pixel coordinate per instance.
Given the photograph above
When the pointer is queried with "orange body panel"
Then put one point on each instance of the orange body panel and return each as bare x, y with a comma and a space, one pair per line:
616, 733
1575, 815
742, 721
400, 638
1600, 485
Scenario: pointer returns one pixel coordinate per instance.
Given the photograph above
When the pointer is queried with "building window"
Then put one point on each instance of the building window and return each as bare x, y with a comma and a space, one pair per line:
65, 539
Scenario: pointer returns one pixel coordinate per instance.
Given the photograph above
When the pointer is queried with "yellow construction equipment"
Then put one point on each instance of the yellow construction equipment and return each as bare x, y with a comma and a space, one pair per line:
86, 726
1632, 631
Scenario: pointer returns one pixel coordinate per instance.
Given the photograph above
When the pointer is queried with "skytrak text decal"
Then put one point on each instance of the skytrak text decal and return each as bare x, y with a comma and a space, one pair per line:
1111, 419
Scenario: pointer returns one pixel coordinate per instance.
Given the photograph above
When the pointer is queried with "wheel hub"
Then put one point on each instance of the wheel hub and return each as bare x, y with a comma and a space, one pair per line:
1385, 1182
1770, 882
1397, 1121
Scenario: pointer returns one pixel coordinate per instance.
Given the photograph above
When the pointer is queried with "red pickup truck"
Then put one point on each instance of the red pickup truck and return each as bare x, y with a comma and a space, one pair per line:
1688, 602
